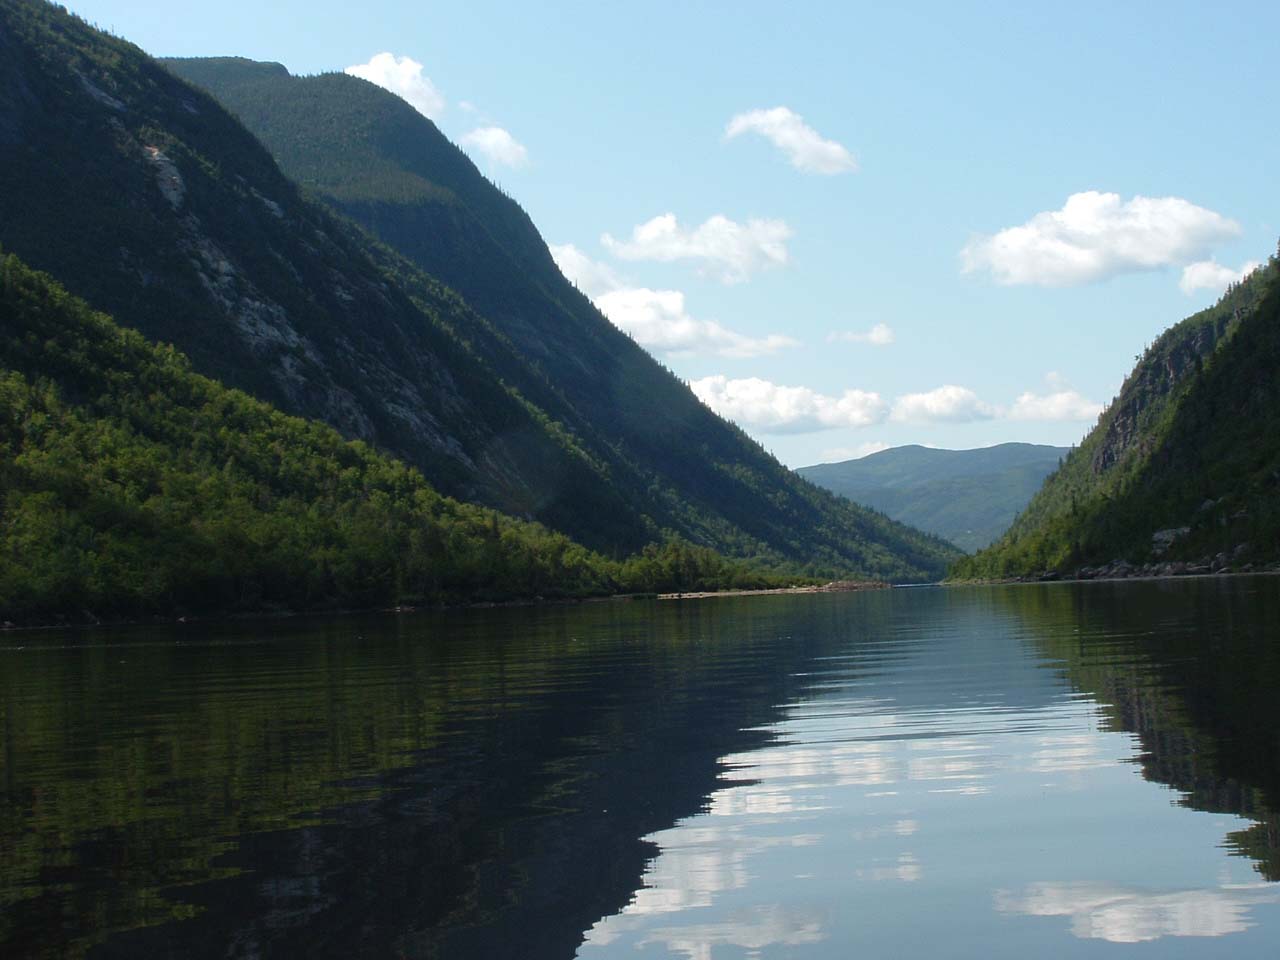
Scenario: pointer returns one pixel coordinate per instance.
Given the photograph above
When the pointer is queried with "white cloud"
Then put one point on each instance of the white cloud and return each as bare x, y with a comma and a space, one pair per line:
734, 250
772, 408
802, 145
881, 335
657, 319
591, 277
1213, 276
1058, 405
497, 146
1095, 236
1061, 402
840, 454
946, 404
403, 77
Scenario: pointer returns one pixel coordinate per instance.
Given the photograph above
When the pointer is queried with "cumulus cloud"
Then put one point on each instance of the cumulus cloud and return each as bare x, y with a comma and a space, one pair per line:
1060, 402
881, 335
1213, 276
657, 319
497, 146
1098, 235
946, 404
772, 408
590, 276
1058, 405
404, 77
803, 146
840, 454
730, 249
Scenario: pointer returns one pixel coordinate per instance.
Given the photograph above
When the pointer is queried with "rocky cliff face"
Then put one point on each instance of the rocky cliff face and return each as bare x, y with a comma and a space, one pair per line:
1180, 474
1176, 355
151, 202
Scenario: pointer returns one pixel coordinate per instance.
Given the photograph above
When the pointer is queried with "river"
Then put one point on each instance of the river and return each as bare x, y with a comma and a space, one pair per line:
1074, 769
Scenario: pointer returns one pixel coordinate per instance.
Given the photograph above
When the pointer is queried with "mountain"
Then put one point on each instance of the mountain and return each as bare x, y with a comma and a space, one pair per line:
968, 497
1183, 469
148, 199
133, 486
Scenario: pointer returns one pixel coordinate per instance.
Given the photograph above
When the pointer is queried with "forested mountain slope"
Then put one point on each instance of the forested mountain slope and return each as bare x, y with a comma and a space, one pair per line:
147, 198
371, 156
130, 485
968, 497
1184, 466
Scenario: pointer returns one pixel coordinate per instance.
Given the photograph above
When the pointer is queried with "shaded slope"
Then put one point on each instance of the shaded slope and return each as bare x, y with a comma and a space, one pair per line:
1191, 446
1197, 691
130, 486
968, 497
133, 486
146, 198
369, 155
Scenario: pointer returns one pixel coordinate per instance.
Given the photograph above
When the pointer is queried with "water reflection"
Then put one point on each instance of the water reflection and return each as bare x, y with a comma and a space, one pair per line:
1134, 915
1003, 772
927, 793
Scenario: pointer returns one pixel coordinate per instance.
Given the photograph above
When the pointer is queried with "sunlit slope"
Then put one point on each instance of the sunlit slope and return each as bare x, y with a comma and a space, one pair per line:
1189, 449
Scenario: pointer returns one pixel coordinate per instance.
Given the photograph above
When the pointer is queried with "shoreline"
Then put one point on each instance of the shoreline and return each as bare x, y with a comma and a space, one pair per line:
92, 622
1117, 578
835, 586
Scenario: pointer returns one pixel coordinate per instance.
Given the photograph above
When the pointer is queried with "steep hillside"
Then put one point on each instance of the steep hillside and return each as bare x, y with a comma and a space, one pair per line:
372, 157
130, 485
968, 497
1182, 468
148, 199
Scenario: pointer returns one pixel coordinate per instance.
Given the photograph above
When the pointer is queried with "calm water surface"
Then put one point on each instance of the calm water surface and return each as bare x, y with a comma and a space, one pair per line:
1037, 771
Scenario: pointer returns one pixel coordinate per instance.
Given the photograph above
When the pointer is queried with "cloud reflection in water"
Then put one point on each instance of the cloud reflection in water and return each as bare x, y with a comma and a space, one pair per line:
1128, 915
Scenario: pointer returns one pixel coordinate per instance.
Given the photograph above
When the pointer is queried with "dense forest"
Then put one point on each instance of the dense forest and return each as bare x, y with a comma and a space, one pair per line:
1183, 467
133, 486
369, 156
144, 196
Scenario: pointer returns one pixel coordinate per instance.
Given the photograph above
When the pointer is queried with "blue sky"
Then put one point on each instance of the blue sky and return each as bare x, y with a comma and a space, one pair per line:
946, 224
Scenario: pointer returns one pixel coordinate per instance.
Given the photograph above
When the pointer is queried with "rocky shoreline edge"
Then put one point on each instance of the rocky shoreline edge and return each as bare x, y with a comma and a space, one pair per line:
835, 586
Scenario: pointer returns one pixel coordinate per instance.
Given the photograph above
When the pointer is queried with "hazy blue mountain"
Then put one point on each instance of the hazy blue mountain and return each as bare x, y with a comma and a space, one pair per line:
968, 497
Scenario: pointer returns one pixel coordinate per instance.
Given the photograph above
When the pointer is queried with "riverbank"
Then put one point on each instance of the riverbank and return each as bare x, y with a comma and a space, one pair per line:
835, 586
1127, 571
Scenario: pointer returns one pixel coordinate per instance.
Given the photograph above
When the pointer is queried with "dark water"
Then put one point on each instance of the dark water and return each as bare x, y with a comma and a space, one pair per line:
1040, 771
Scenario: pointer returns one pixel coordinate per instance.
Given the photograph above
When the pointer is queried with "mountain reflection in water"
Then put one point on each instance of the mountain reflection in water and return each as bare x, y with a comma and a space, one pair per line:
958, 771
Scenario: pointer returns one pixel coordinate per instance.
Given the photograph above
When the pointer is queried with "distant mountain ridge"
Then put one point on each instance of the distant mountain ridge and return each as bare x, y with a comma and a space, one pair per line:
1182, 472
968, 497
144, 196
